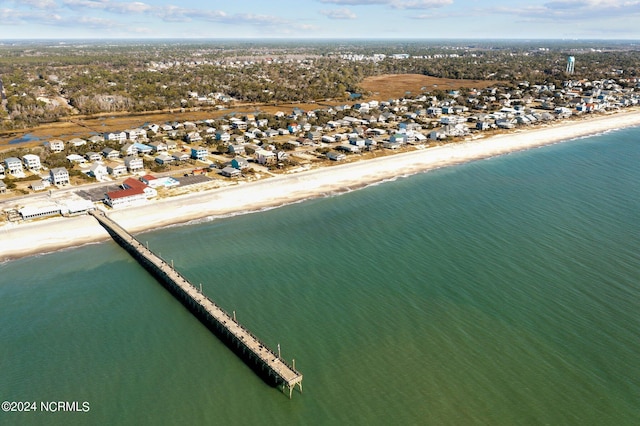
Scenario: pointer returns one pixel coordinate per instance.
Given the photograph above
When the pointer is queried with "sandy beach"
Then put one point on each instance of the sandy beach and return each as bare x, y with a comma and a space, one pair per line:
48, 235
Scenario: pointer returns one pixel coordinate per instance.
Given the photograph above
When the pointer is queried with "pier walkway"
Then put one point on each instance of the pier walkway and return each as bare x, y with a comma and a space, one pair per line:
256, 354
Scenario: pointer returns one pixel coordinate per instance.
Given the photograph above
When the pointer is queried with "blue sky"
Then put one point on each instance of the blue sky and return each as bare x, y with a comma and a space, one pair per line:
524, 19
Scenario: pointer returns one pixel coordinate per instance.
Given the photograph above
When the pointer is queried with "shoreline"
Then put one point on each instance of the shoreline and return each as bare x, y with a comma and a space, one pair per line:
49, 235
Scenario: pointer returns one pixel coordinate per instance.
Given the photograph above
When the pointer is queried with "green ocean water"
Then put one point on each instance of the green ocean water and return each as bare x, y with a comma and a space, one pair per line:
504, 291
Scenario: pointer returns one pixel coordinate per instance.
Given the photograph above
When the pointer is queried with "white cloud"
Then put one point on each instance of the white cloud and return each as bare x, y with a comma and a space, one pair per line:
40, 4
573, 10
109, 5
339, 14
396, 4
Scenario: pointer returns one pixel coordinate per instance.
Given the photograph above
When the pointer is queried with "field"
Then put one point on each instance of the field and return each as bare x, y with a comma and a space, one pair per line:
394, 86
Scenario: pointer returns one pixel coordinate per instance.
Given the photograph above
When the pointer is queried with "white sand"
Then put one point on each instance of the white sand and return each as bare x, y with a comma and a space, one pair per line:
51, 234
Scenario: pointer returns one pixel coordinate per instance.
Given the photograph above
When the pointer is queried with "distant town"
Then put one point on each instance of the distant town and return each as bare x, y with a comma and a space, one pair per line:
345, 121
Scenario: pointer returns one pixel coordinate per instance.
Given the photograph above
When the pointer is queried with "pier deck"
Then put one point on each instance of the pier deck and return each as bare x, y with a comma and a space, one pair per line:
242, 341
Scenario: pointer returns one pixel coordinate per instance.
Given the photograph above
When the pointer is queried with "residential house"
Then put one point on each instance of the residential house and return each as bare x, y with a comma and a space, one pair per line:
223, 136
117, 136
32, 162
55, 145
99, 171
434, 111
237, 149
180, 156
136, 134
392, 145
336, 156
116, 169
240, 163
349, 148
3, 187
1, 171
230, 172
77, 142
110, 153
95, 139
14, 166
75, 158
93, 156
142, 148
134, 164
399, 138
59, 176
192, 137
129, 149
158, 146
199, 153
238, 124
483, 125
315, 136
164, 159
265, 157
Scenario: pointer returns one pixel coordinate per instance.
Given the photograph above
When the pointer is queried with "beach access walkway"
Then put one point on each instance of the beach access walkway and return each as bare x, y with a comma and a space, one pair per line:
264, 361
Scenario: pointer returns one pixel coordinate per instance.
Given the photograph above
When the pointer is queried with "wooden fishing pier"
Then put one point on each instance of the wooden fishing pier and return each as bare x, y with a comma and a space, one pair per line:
265, 362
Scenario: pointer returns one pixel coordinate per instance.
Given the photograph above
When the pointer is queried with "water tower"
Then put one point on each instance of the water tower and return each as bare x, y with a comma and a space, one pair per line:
571, 62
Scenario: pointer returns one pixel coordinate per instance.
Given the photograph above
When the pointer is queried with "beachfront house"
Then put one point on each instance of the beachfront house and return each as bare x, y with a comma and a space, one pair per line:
230, 172
3, 187
134, 164
32, 162
336, 156
77, 142
59, 176
265, 157
1, 171
14, 166
240, 163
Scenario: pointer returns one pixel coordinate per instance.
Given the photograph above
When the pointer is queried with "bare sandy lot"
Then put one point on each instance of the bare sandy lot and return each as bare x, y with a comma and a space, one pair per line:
393, 86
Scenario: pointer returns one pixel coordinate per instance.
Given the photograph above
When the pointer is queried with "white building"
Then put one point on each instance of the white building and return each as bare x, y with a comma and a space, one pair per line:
14, 166
55, 145
59, 176
32, 162
134, 164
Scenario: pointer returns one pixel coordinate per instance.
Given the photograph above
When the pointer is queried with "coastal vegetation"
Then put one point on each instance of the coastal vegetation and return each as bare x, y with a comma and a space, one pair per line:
47, 82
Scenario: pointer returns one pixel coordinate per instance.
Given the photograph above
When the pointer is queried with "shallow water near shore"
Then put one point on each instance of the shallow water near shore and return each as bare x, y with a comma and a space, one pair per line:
503, 291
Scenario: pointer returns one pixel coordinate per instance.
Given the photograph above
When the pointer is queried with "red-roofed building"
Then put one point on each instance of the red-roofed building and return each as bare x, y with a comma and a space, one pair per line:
134, 192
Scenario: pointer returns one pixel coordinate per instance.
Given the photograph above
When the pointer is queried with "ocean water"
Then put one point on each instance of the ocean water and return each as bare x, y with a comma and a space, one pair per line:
504, 291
